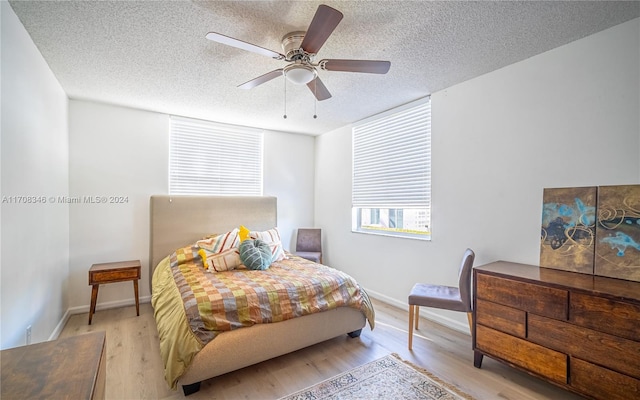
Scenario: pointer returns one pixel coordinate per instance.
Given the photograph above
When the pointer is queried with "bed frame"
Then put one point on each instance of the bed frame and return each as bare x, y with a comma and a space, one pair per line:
177, 221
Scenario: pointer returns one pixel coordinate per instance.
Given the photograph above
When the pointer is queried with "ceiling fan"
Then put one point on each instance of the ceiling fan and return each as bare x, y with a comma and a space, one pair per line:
300, 49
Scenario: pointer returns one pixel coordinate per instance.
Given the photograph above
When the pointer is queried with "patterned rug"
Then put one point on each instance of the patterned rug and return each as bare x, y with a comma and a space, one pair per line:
386, 378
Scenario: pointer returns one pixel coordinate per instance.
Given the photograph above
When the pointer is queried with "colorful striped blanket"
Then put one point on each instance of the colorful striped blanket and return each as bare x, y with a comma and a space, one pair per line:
223, 301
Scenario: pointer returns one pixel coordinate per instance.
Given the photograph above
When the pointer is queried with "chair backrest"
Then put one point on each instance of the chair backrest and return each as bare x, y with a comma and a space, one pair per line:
464, 278
309, 239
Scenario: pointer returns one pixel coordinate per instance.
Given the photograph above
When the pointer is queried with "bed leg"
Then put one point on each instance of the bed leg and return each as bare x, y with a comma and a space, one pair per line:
355, 334
191, 389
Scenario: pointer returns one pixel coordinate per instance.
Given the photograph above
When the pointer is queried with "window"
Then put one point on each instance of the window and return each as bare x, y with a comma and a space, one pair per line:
391, 193
214, 159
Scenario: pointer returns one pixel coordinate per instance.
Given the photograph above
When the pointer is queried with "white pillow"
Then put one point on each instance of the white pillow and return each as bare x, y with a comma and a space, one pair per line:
221, 252
225, 261
220, 243
272, 238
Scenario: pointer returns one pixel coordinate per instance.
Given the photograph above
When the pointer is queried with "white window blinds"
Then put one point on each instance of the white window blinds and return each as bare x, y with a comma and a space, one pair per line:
392, 158
214, 159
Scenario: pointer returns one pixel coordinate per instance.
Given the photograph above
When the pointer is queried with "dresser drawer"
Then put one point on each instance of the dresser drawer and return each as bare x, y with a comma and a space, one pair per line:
602, 383
545, 362
540, 300
614, 317
502, 318
610, 351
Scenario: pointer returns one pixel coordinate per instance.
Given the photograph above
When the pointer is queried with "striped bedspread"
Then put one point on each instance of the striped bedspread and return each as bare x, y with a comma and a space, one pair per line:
223, 301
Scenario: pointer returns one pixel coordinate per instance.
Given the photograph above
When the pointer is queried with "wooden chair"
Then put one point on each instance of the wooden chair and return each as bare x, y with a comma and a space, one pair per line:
444, 297
309, 244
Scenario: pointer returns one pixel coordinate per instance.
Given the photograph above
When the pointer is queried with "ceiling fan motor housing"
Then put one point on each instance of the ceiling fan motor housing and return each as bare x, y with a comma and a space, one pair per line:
292, 50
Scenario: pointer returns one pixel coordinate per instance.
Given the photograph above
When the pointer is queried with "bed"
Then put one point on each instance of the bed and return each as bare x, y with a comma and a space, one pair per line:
178, 221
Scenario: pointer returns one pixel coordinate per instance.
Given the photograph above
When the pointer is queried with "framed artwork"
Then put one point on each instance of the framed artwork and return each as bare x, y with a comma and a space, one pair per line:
567, 236
617, 249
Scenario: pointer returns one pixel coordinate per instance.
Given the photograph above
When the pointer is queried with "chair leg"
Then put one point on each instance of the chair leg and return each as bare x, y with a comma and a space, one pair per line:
417, 317
410, 325
470, 318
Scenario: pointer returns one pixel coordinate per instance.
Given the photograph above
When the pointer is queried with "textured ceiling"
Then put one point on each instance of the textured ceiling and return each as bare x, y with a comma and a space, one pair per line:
153, 55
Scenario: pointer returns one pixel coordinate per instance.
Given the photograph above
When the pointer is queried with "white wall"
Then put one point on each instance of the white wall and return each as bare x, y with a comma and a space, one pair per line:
568, 117
118, 151
289, 175
34, 158
113, 151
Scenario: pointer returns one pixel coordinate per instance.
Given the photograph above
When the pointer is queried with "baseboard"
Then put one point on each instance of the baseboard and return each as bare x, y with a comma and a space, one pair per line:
56, 332
424, 312
85, 309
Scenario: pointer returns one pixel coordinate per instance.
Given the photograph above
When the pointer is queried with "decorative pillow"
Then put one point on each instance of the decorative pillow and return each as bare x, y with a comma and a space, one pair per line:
243, 233
272, 238
220, 243
203, 255
220, 253
225, 261
255, 254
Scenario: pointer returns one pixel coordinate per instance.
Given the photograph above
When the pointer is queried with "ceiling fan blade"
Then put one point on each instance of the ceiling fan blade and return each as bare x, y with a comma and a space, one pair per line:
321, 27
261, 79
319, 89
229, 41
367, 66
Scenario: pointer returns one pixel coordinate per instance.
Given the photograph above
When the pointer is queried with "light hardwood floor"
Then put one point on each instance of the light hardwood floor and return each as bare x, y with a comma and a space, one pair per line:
134, 365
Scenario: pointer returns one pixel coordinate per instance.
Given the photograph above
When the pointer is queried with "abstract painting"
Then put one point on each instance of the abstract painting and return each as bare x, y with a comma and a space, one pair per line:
617, 249
567, 237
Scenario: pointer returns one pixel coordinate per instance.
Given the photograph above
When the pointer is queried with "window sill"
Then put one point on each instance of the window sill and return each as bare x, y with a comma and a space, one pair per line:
426, 238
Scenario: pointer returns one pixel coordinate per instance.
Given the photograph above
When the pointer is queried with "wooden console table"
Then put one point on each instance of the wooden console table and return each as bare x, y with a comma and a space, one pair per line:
120, 271
577, 331
68, 368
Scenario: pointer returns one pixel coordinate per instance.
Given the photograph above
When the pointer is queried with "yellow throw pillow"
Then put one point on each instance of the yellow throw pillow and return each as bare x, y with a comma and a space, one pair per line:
243, 233
203, 254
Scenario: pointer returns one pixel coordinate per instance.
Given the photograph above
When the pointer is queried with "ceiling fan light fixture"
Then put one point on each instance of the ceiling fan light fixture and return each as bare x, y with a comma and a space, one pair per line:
300, 74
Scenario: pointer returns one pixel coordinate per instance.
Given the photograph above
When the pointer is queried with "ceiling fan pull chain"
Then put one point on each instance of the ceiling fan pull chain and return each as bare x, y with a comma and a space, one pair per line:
285, 99
315, 98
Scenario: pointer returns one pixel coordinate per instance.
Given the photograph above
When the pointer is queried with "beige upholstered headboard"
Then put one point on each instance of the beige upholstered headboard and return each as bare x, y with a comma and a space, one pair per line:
177, 221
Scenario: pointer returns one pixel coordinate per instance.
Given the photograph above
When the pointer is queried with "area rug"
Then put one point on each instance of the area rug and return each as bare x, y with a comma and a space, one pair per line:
386, 378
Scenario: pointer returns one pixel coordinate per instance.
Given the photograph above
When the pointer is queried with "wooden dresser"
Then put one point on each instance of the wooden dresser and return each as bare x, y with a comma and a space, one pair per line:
578, 331
69, 368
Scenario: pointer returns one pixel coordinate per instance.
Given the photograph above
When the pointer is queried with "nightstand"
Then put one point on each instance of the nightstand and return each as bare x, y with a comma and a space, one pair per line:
120, 271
